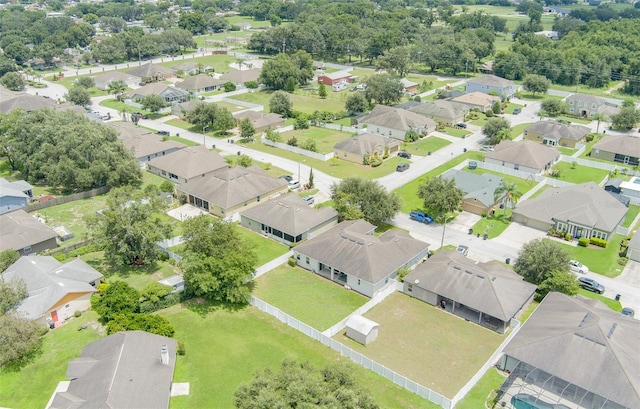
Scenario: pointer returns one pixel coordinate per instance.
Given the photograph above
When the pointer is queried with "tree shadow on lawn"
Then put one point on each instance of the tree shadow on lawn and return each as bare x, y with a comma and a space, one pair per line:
204, 307
112, 270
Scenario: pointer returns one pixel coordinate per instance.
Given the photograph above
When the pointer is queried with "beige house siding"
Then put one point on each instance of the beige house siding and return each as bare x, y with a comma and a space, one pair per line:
604, 155
535, 224
539, 137
513, 165
475, 206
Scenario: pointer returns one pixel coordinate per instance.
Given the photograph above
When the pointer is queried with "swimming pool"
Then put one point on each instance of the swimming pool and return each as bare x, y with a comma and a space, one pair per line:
525, 401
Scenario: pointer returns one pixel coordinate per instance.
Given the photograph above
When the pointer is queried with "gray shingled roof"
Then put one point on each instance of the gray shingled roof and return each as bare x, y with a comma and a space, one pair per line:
396, 118
487, 287
122, 370
260, 120
149, 70
476, 98
20, 230
557, 131
351, 250
48, 281
290, 214
586, 204
590, 99
242, 76
524, 153
491, 80
440, 108
365, 143
113, 76
128, 129
583, 342
150, 144
156, 88
229, 187
190, 162
623, 144
479, 187
199, 82
32, 102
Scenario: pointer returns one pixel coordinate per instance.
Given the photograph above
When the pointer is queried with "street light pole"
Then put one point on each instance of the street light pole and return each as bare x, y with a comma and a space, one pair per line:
204, 135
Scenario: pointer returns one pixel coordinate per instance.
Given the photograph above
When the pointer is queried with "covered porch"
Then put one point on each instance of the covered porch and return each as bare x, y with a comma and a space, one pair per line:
472, 315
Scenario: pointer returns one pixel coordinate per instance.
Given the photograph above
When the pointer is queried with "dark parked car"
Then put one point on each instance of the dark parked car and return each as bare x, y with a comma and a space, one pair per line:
402, 167
517, 111
403, 154
462, 125
165, 133
287, 178
591, 285
628, 311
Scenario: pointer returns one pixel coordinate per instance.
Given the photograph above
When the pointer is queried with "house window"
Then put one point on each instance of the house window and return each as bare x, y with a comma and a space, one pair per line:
571, 109
410, 288
307, 260
164, 173
599, 235
516, 166
26, 250
389, 133
378, 130
570, 102
67, 306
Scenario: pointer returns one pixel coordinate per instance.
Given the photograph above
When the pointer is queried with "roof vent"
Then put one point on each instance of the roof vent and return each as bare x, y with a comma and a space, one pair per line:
468, 272
493, 278
457, 268
417, 281
164, 355
584, 320
613, 328
479, 275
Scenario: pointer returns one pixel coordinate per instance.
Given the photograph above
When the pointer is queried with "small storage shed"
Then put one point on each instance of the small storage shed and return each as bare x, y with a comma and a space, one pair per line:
176, 282
361, 329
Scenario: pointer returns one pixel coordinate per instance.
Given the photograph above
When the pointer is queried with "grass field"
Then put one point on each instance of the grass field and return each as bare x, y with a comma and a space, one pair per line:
518, 129
633, 211
325, 138
225, 348
308, 297
493, 226
457, 132
480, 393
425, 344
304, 103
426, 145
579, 174
219, 62
599, 260
266, 249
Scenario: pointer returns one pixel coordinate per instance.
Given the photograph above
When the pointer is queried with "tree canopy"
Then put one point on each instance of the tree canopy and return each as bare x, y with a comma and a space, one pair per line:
282, 68
442, 197
60, 149
356, 198
539, 258
117, 298
496, 130
21, 341
628, 118
383, 89
299, 384
212, 116
280, 103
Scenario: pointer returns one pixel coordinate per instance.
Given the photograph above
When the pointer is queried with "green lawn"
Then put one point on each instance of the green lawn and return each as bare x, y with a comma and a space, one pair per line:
537, 97
579, 174
539, 192
149, 178
409, 192
33, 385
493, 226
325, 138
307, 103
308, 297
121, 107
483, 391
518, 129
457, 132
426, 145
599, 260
266, 249
219, 62
609, 302
182, 140
425, 344
566, 151
572, 119
225, 348
511, 106
335, 167
631, 215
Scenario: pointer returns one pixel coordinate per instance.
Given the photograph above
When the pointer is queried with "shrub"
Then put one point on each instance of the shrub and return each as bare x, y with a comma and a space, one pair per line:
251, 84
292, 261
484, 214
567, 237
77, 313
598, 242
310, 145
293, 141
377, 162
229, 86
180, 350
164, 302
623, 261
301, 122
488, 114
43, 330
366, 159
273, 136
417, 98
583, 242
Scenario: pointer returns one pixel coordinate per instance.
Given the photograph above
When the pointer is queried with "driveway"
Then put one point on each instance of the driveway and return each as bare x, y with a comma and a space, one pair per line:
518, 235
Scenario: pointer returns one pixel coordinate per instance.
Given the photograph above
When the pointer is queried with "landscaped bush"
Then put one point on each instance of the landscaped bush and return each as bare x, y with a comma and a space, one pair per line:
623, 261
77, 313
598, 242
293, 141
583, 242
310, 145
292, 261
376, 162
164, 302
488, 113
181, 350
568, 237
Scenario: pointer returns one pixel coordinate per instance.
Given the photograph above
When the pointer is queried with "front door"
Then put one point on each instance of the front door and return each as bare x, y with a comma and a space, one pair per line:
54, 316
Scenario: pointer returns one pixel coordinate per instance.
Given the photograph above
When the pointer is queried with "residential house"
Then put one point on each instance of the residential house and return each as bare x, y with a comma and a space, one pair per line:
128, 369
150, 146
126, 130
185, 165
30, 103
169, 94
584, 210
479, 190
584, 105
573, 352
396, 122
182, 109
351, 255
525, 156
409, 87
199, 84
55, 291
334, 78
241, 77
103, 81
633, 251
229, 190
261, 122
14, 195
444, 112
553, 133
357, 147
506, 89
618, 148
288, 219
560, 12
477, 100
191, 68
151, 72
24, 233
631, 190
489, 294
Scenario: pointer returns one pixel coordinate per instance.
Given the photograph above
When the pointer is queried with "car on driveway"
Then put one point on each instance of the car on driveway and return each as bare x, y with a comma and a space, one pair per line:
309, 199
461, 125
577, 267
403, 154
464, 250
517, 111
402, 167
591, 285
487, 148
629, 312
286, 177
165, 133
294, 184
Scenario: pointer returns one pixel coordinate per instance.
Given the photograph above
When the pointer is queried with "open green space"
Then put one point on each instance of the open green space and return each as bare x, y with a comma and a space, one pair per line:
609, 302
308, 297
149, 178
493, 226
182, 140
266, 249
409, 191
424, 147
225, 348
308, 103
437, 349
574, 173
571, 119
267, 167
324, 138
32, 386
566, 151
511, 106
334, 167
631, 215
122, 107
457, 132
599, 260
73, 216
483, 392
247, 19
518, 129
219, 62
530, 96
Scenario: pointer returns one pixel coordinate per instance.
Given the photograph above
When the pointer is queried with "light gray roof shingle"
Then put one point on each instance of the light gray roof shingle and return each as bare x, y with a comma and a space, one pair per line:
156, 88
20, 185
440, 108
586, 204
476, 99
366, 143
570, 336
242, 76
20, 230
349, 248
128, 129
199, 82
149, 70
479, 187
290, 214
590, 99
113, 76
190, 162
487, 287
122, 370
260, 120
623, 144
557, 131
524, 153
150, 144
396, 118
491, 80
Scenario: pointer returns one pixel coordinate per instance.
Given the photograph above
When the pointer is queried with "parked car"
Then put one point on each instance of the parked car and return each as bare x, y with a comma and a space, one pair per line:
165, 133
577, 267
487, 148
403, 154
309, 199
461, 125
517, 111
139, 115
286, 177
402, 167
628, 312
421, 217
294, 184
464, 250
591, 285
